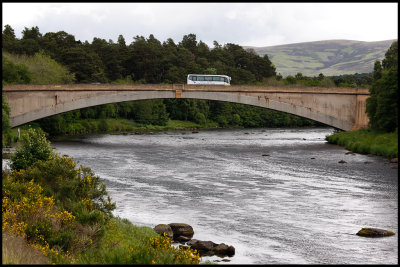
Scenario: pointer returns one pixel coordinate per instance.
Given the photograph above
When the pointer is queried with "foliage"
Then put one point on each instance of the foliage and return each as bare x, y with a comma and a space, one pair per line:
14, 73
34, 147
382, 108
144, 60
42, 69
367, 141
27, 212
58, 208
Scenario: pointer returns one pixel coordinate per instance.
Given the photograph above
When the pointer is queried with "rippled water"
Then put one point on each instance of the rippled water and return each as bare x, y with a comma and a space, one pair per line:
277, 195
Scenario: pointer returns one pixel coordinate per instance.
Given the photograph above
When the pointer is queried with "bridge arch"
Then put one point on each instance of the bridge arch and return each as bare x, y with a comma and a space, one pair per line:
342, 108
132, 96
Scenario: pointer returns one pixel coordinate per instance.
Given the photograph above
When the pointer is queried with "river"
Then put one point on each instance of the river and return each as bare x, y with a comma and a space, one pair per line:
279, 196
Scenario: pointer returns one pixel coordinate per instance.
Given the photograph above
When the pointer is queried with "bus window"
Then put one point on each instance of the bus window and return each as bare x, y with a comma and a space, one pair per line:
194, 78
208, 78
225, 80
200, 78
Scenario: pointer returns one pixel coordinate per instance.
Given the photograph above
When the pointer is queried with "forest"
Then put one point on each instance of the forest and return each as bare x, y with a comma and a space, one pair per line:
57, 57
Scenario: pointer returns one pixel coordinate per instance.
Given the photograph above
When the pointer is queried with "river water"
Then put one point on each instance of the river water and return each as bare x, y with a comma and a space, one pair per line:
279, 196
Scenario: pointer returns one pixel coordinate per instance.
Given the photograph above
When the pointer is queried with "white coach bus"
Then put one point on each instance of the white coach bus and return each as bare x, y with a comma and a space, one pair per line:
205, 79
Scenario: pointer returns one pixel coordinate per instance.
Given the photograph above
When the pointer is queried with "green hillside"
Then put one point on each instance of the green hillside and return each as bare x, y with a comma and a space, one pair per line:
331, 57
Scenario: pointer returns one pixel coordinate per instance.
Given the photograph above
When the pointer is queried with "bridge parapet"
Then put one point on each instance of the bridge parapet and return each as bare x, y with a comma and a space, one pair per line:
185, 87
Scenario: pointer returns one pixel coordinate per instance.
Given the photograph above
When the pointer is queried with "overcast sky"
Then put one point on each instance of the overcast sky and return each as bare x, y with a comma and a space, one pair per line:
246, 24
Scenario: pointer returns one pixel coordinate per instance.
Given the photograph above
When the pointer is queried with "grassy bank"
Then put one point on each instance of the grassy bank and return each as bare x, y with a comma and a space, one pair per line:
365, 141
125, 243
123, 125
92, 126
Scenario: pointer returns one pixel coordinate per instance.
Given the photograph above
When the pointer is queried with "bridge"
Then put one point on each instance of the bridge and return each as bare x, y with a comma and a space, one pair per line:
342, 108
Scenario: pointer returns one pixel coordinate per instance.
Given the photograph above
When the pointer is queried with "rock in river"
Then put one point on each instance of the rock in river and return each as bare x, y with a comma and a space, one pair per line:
182, 232
164, 228
374, 232
209, 248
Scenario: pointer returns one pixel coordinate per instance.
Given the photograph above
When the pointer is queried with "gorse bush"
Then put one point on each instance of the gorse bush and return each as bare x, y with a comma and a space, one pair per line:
74, 189
27, 212
57, 207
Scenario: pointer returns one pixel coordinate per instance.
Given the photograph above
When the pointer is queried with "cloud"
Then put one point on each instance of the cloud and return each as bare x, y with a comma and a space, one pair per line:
256, 24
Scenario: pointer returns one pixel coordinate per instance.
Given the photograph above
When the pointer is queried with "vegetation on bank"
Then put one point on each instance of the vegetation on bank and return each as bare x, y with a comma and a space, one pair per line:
366, 141
64, 212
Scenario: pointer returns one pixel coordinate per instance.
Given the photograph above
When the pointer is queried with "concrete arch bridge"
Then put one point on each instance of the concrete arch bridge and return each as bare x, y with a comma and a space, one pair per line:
342, 108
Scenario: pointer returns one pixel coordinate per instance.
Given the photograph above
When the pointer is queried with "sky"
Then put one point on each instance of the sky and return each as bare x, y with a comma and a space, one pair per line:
246, 24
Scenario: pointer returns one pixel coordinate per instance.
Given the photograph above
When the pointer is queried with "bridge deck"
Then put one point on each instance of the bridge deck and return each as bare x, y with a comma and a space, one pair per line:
185, 87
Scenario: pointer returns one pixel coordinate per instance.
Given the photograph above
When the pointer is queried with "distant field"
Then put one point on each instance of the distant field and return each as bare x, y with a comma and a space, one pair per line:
332, 57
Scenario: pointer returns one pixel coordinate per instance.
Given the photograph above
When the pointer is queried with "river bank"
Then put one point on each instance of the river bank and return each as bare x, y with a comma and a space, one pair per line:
365, 141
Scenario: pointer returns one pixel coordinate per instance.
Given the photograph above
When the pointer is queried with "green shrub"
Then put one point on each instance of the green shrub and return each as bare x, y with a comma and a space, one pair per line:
34, 147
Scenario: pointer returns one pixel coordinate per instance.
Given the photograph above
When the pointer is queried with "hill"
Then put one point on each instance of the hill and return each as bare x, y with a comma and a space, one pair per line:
330, 57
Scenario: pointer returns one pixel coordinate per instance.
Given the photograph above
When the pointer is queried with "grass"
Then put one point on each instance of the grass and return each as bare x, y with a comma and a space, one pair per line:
15, 250
366, 141
125, 243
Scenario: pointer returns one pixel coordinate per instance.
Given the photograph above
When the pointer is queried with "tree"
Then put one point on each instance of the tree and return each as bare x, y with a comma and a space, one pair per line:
30, 42
34, 147
381, 106
56, 44
189, 42
86, 64
9, 40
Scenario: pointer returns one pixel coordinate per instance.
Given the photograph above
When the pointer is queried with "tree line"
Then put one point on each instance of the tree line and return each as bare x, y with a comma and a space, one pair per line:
144, 60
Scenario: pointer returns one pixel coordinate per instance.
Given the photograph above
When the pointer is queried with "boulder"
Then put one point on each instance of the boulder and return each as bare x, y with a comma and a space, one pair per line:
204, 248
182, 239
223, 250
374, 232
182, 231
164, 228
209, 248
